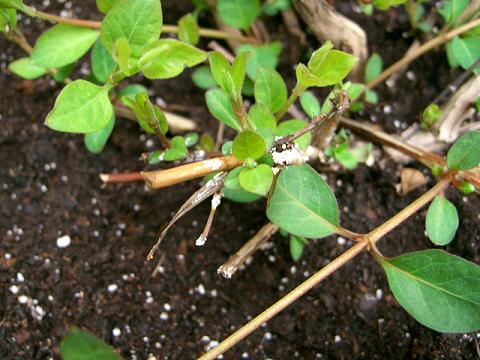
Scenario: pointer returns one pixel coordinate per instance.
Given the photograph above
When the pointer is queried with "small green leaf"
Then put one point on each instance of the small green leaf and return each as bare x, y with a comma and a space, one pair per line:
139, 22
440, 290
248, 144
465, 152
167, 58
354, 90
343, 155
233, 190
452, 59
270, 89
262, 55
8, 19
191, 139
257, 180
222, 73
132, 90
441, 221
62, 45
297, 244
227, 148
238, 70
203, 78
81, 345
239, 14
121, 54
206, 143
13, 4
452, 9
374, 67
220, 107
310, 104
102, 62
371, 96
260, 117
27, 68
273, 7
289, 127
430, 115
105, 5
466, 51
96, 141
188, 30
302, 203
81, 107
178, 149
326, 67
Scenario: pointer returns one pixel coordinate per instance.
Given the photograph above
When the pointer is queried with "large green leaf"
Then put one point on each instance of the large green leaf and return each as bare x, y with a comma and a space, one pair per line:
238, 13
27, 68
465, 152
96, 141
440, 290
138, 21
62, 45
81, 107
167, 58
441, 221
270, 89
466, 51
102, 62
81, 345
260, 117
220, 107
302, 203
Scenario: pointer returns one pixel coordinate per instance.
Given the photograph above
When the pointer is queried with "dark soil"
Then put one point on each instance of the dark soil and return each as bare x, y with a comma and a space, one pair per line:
50, 187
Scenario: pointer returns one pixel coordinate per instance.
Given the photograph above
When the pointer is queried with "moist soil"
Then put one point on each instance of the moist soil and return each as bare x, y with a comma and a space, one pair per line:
102, 283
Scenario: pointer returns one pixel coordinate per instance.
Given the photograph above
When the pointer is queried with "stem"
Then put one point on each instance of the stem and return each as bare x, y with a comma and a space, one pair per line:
172, 29
296, 92
318, 277
429, 45
121, 178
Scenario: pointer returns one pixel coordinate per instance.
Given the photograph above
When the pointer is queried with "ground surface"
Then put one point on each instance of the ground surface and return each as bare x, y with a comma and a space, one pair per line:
49, 187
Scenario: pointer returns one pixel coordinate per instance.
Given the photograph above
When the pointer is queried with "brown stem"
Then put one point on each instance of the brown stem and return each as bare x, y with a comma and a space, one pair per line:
163, 178
173, 29
235, 261
318, 277
429, 45
121, 177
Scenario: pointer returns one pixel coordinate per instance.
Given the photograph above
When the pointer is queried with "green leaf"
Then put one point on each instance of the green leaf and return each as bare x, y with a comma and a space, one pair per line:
326, 67
191, 139
465, 152
81, 345
105, 5
263, 55
62, 45
296, 247
238, 70
188, 30
239, 14
27, 68
121, 54
248, 144
96, 141
203, 78
354, 90
289, 127
440, 290
220, 107
374, 67
466, 51
167, 58
222, 73
102, 62
430, 115
139, 22
149, 116
343, 155
270, 89
452, 59
63, 72
81, 107
441, 221
13, 4
302, 203
206, 143
310, 104
273, 7
257, 180
452, 9
234, 191
132, 90
178, 149
259, 116
371, 96
8, 19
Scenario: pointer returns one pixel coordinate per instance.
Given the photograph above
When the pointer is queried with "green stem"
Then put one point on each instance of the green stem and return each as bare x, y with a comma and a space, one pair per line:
296, 92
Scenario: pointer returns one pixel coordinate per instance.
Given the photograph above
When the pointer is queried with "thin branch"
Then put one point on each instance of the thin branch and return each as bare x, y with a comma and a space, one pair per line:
314, 280
429, 45
172, 29
236, 260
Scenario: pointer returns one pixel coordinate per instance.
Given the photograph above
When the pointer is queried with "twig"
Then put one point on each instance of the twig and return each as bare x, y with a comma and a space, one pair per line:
121, 177
429, 45
173, 29
216, 199
235, 261
336, 264
217, 47
163, 178
219, 139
